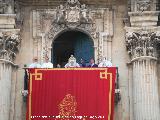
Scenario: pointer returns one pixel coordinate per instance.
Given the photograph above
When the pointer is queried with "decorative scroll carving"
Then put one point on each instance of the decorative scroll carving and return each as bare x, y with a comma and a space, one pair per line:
142, 43
143, 5
9, 45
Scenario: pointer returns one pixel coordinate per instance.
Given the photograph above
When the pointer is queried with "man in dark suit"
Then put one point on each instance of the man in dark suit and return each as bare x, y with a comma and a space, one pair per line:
82, 64
92, 63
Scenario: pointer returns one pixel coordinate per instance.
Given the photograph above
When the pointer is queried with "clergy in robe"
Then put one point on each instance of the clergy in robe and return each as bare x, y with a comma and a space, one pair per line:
47, 63
35, 63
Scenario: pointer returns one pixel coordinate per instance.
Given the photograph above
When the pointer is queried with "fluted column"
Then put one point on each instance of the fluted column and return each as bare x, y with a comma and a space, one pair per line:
145, 89
141, 46
6, 68
142, 39
9, 46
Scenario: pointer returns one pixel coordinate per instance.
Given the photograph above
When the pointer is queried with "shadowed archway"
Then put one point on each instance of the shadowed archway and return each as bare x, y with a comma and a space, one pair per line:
72, 42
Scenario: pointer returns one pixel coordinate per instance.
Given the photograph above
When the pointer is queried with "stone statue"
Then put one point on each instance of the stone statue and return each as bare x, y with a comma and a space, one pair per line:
60, 14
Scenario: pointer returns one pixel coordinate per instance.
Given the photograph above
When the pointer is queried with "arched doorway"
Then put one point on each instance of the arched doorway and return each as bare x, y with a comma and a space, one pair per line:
72, 42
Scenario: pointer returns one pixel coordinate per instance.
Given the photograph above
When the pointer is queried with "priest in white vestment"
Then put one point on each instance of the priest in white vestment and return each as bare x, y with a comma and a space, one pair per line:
105, 63
35, 63
72, 63
47, 63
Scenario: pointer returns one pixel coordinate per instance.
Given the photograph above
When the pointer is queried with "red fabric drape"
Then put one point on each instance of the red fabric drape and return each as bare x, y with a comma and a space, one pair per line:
80, 93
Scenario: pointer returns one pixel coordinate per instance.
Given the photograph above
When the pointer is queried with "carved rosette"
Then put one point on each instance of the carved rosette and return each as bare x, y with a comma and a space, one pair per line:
142, 43
9, 45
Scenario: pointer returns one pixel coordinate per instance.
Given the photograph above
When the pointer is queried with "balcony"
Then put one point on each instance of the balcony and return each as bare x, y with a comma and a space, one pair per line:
26, 77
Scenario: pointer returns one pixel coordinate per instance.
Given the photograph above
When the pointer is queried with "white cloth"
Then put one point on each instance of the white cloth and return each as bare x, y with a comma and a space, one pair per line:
47, 65
105, 63
35, 65
68, 65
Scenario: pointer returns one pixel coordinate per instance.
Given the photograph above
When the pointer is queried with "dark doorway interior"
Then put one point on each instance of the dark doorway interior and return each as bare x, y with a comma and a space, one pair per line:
72, 43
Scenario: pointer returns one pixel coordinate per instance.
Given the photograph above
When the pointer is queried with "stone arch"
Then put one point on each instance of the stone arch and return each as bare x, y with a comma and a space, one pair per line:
76, 33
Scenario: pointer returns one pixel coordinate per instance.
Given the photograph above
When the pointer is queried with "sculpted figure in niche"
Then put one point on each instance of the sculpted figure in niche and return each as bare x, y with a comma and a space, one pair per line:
60, 14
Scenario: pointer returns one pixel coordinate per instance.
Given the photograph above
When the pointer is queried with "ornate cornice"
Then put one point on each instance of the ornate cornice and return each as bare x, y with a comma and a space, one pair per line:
9, 45
142, 43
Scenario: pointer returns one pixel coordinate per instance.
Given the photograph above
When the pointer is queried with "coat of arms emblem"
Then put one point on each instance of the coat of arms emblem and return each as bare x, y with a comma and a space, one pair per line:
68, 106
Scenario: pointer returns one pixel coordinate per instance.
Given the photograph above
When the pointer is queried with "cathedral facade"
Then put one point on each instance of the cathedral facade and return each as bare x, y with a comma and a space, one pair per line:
126, 32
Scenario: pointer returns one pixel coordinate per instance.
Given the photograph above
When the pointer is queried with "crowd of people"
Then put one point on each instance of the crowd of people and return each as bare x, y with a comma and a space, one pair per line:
71, 63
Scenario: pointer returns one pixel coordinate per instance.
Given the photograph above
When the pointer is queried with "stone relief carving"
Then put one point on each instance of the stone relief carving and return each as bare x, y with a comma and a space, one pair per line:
9, 45
142, 43
143, 5
6, 7
3, 7
72, 15
19, 14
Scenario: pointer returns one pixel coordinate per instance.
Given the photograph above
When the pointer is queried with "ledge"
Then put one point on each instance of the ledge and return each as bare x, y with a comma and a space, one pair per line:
8, 15
139, 13
8, 62
144, 58
143, 28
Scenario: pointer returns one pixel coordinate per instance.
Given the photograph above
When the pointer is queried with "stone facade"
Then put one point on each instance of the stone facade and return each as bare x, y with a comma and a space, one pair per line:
128, 36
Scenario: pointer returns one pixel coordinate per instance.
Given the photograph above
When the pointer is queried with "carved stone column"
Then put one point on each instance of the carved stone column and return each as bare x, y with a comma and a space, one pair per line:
142, 50
9, 46
142, 38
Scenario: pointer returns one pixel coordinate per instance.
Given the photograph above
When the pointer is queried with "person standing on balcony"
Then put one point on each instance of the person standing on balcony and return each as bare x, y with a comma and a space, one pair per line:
35, 63
92, 63
47, 63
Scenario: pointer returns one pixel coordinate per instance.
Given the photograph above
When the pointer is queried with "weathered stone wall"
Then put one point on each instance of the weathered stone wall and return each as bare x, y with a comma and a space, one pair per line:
119, 55
117, 52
